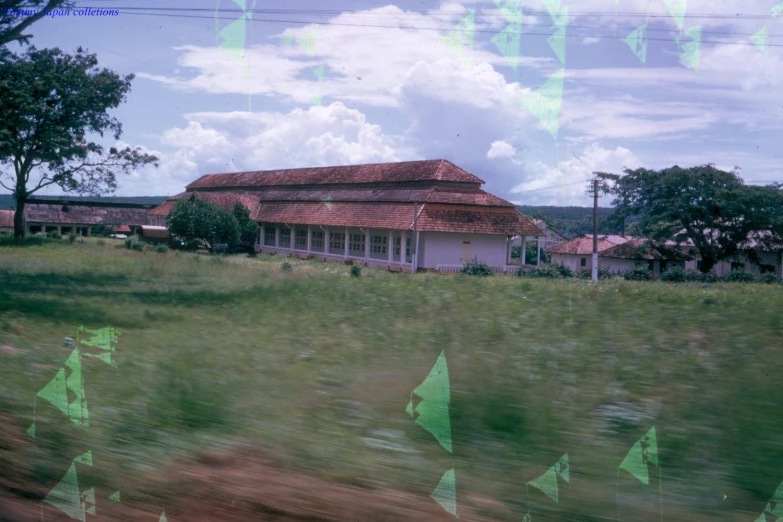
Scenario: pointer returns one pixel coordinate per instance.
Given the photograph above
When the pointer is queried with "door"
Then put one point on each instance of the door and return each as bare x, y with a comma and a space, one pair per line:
466, 252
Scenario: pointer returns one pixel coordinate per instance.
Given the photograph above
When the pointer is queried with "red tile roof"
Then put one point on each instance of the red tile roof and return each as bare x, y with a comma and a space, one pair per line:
428, 170
581, 246
398, 216
82, 214
222, 199
7, 218
623, 247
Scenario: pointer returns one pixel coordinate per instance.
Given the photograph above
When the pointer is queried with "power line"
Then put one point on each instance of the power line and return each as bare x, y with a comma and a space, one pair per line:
423, 28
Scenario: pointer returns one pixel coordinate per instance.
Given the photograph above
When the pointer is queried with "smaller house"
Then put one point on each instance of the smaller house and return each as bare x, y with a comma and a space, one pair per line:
78, 217
768, 260
616, 253
153, 234
7, 220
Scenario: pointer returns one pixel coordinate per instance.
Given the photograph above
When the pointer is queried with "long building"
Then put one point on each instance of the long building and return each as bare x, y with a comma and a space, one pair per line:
401, 216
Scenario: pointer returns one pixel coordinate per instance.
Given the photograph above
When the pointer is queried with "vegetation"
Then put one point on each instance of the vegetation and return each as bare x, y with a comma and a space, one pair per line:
476, 267
52, 101
355, 271
161, 249
637, 273
195, 220
712, 208
285, 266
546, 271
674, 274
12, 28
314, 367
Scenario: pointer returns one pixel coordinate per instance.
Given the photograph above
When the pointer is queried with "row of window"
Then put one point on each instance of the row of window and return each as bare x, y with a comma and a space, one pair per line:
378, 244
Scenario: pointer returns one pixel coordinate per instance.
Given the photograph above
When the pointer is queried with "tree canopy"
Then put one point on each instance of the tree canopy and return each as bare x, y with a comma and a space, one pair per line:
49, 103
195, 220
248, 229
711, 207
17, 15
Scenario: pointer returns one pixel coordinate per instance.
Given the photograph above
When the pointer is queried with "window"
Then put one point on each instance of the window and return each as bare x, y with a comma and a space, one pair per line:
466, 242
269, 236
378, 244
318, 239
301, 239
337, 241
357, 243
583, 262
397, 243
285, 237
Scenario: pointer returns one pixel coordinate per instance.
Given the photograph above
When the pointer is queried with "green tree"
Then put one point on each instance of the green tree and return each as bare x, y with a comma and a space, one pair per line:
711, 207
49, 102
17, 15
248, 229
197, 220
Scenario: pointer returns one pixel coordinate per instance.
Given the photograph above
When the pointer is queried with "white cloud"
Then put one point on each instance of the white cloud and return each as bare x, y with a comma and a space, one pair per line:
501, 149
590, 40
565, 184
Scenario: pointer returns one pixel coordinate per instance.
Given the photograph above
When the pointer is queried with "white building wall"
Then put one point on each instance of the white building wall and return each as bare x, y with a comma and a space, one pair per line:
445, 248
573, 261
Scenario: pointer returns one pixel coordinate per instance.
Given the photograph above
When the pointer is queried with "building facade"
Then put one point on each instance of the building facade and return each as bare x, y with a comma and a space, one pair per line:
399, 216
78, 217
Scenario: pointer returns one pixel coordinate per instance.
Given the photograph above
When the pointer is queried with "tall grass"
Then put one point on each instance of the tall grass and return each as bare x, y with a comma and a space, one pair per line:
319, 366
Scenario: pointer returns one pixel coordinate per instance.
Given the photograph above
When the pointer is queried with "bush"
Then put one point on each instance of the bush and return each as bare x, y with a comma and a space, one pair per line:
129, 243
161, 249
674, 274
637, 273
603, 273
355, 271
476, 267
738, 276
285, 266
80, 240
39, 235
71, 237
100, 242
548, 271
769, 278
54, 235
139, 246
149, 247
692, 275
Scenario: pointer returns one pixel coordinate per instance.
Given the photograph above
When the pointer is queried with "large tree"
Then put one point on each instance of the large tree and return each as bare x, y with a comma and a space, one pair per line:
248, 229
195, 220
711, 207
17, 15
49, 102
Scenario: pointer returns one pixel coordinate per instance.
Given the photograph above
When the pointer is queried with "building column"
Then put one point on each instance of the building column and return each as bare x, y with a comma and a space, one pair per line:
538, 261
277, 236
309, 238
326, 242
523, 247
403, 238
366, 246
261, 235
389, 248
346, 242
293, 238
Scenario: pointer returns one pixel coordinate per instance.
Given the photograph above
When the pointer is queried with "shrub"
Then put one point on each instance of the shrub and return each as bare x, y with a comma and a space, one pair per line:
738, 276
674, 274
161, 249
149, 247
603, 273
285, 266
39, 235
71, 237
637, 273
476, 267
129, 243
769, 278
80, 240
100, 242
54, 235
355, 271
139, 246
548, 271
692, 275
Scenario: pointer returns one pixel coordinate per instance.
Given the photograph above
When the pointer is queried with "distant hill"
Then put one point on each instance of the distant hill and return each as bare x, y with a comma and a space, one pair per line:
7, 200
572, 222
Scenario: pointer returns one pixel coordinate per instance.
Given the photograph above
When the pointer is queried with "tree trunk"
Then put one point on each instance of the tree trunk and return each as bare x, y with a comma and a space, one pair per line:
708, 263
19, 221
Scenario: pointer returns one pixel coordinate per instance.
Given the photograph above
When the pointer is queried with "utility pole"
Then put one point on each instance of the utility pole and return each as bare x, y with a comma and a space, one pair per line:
599, 183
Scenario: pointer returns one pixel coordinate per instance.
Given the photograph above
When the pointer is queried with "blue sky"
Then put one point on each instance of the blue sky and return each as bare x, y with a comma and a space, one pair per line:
397, 92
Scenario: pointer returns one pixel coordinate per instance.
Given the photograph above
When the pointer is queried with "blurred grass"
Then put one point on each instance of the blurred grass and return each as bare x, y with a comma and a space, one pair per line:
317, 366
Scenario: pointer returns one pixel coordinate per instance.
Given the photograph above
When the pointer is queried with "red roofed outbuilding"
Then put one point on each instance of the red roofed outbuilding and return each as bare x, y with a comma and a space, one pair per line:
365, 213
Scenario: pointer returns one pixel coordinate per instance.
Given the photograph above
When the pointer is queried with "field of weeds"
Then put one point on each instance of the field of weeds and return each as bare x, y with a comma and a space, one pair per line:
307, 372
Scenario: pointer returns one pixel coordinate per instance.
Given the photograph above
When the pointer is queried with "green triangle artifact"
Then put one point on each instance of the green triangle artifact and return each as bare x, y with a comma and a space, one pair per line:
634, 463
104, 338
507, 41
409, 409
65, 496
777, 11
760, 39
316, 100
553, 6
56, 392
31, 430
115, 497
547, 483
677, 10
234, 39
308, 42
445, 493
564, 468
635, 41
162, 517
512, 12
288, 40
85, 459
328, 202
545, 103
104, 356
761, 518
557, 42
77, 409
651, 453
89, 496
319, 72
460, 36
433, 409
91, 510
240, 3
690, 53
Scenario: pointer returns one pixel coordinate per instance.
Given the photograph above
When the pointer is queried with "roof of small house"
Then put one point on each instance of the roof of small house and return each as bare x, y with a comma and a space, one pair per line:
404, 171
83, 214
7, 218
615, 246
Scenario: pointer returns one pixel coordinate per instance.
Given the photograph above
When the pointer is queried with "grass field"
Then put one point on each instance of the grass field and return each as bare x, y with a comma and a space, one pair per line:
316, 367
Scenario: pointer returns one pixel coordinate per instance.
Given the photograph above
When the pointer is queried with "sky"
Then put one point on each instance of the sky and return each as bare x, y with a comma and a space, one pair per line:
240, 85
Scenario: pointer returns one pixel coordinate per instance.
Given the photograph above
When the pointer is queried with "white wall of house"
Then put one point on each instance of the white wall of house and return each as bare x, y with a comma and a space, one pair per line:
574, 262
613, 264
447, 248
